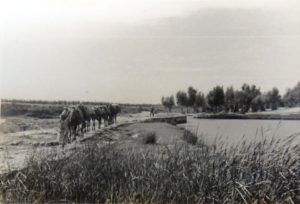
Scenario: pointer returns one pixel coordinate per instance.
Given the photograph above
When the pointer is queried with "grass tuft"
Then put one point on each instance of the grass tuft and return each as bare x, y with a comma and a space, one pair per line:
150, 138
190, 137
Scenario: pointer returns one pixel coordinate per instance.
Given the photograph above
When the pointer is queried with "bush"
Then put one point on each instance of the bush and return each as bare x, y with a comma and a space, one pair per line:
149, 138
190, 137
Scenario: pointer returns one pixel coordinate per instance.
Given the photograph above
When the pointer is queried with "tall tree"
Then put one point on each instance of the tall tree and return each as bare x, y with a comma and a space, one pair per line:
274, 98
229, 99
292, 96
191, 96
168, 102
199, 101
248, 93
259, 103
182, 99
215, 98
290, 99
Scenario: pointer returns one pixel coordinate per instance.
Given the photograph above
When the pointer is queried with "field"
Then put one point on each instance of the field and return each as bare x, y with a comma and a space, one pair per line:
153, 162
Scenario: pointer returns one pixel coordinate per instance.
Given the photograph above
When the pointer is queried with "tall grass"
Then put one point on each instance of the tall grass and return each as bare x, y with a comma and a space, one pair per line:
257, 172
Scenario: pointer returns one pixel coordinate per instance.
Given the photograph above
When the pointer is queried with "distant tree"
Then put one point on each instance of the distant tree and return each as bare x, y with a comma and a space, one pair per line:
182, 99
292, 96
191, 96
259, 103
168, 102
238, 98
199, 101
249, 97
215, 98
247, 94
230, 99
290, 99
274, 98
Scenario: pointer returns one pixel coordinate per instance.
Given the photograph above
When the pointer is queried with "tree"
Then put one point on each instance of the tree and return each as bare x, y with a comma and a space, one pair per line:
230, 99
274, 98
182, 99
215, 98
290, 99
238, 100
199, 101
168, 102
247, 94
292, 96
191, 96
259, 103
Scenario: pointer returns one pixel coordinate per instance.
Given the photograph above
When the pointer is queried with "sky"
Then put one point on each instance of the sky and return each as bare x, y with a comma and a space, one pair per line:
136, 51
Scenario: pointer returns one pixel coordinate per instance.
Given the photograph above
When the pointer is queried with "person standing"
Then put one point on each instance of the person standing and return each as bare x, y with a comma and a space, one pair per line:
152, 111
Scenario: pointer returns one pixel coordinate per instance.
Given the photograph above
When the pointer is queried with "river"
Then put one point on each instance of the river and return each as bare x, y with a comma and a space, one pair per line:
233, 131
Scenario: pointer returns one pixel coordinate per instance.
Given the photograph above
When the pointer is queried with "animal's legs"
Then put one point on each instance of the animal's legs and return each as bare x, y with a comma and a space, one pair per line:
99, 123
93, 124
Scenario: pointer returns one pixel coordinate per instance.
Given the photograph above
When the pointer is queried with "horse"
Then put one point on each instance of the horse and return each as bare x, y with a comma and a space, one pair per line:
86, 117
93, 117
101, 112
71, 121
113, 110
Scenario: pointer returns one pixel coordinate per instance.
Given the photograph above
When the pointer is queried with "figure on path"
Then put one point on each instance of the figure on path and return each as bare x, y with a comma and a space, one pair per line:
152, 111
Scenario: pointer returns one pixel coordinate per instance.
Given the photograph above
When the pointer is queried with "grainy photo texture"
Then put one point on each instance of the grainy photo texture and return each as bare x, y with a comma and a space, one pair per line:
150, 101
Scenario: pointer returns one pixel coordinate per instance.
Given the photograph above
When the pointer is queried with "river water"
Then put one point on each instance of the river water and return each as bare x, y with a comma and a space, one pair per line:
233, 131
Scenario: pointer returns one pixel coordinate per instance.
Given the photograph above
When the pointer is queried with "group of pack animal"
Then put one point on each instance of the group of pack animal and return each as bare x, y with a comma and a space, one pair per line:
77, 119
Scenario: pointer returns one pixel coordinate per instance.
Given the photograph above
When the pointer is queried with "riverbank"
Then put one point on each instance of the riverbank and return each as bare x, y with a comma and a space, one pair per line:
281, 114
249, 116
118, 166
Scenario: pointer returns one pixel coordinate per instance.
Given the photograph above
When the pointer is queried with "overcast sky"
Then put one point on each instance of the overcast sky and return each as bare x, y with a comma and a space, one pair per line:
136, 51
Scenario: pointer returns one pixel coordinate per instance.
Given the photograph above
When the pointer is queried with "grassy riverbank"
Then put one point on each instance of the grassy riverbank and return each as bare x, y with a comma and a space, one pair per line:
261, 171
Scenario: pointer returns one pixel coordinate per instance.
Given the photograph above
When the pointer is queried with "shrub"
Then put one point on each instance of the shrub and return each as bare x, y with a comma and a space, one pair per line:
149, 138
190, 137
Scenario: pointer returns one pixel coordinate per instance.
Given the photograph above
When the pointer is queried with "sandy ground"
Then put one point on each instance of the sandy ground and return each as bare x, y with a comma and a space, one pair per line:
21, 137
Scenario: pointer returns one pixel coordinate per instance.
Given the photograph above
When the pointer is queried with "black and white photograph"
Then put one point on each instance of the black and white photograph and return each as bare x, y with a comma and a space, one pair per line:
150, 101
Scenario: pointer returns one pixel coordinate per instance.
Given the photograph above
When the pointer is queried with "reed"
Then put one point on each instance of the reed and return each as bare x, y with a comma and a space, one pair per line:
265, 171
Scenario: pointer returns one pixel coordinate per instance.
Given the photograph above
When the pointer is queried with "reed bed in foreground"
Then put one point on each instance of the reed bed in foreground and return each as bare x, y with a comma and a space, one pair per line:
258, 172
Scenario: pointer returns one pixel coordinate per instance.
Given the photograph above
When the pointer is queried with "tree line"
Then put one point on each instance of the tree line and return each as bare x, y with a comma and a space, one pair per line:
248, 98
